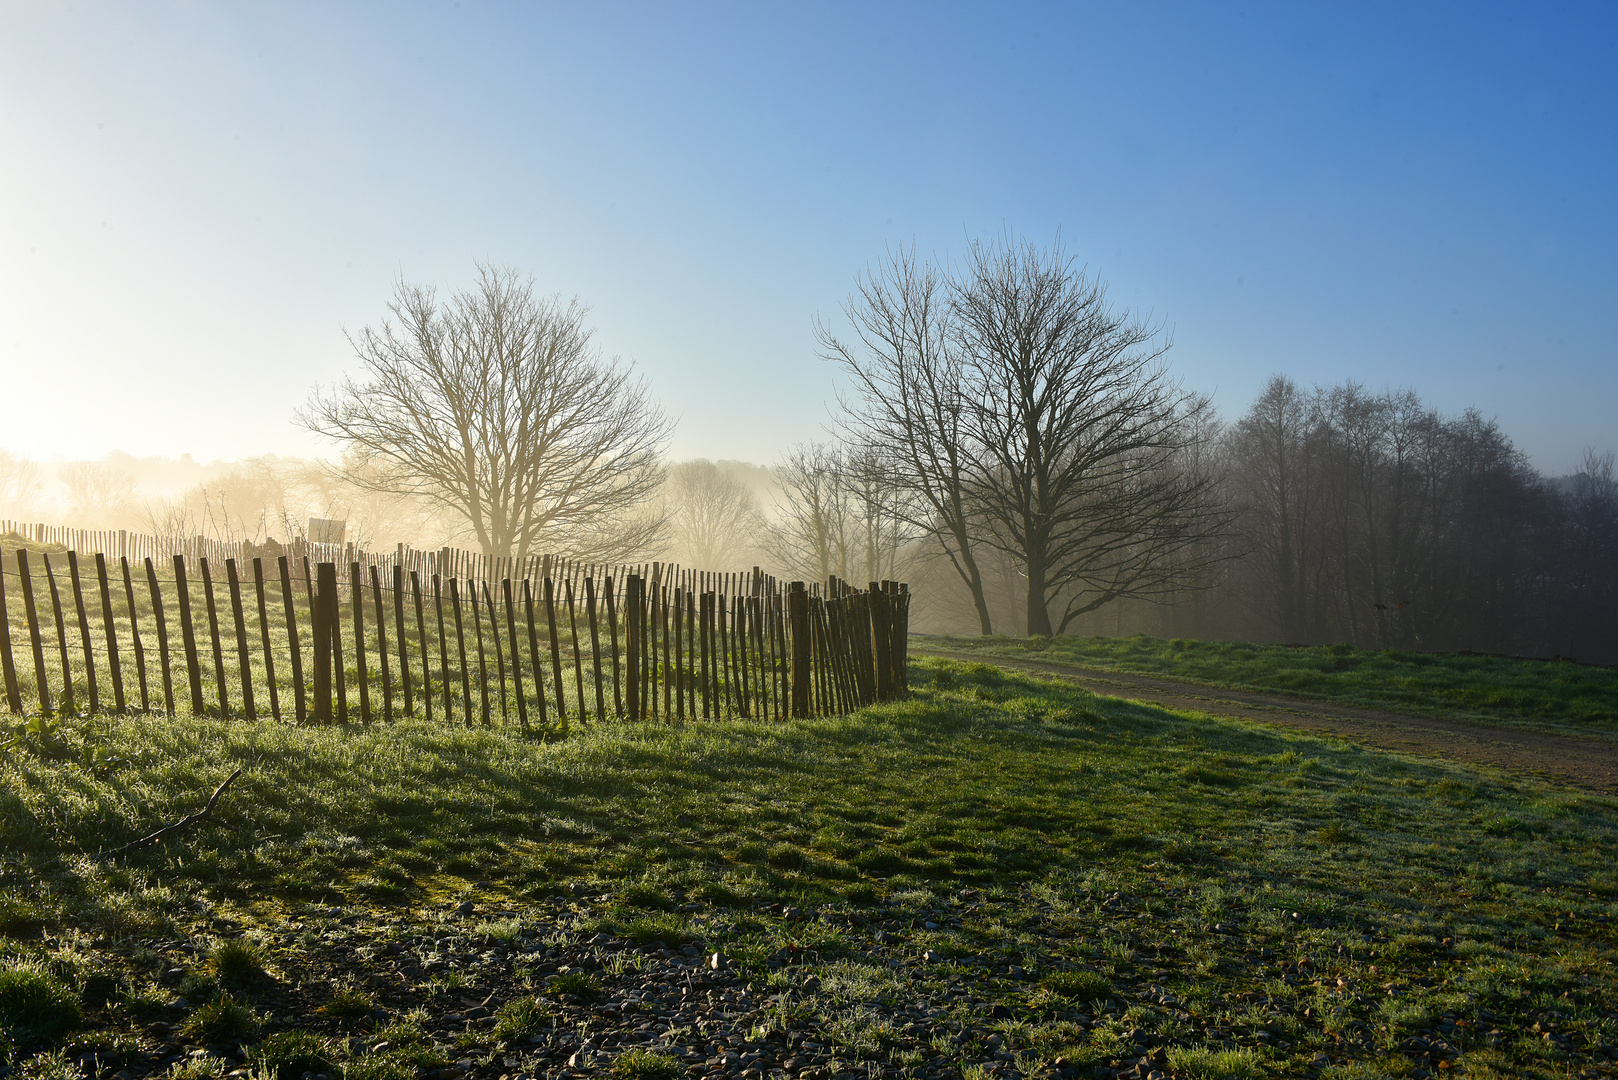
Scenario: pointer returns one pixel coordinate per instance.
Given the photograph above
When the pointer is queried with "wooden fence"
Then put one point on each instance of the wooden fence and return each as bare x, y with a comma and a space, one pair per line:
298, 636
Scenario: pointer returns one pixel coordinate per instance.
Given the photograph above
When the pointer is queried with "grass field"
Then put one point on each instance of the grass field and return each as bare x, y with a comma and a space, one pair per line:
1549, 695
999, 876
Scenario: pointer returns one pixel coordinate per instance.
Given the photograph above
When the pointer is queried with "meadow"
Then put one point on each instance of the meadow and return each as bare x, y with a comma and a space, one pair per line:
1543, 694
998, 876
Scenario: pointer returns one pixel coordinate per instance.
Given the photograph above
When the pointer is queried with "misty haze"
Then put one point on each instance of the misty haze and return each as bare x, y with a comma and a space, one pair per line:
813, 544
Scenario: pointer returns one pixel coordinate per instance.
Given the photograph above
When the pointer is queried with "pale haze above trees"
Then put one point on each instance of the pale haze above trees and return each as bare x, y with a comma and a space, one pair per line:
493, 404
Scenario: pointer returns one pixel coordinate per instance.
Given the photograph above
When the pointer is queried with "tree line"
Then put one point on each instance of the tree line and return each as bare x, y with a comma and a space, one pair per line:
1013, 444
1037, 452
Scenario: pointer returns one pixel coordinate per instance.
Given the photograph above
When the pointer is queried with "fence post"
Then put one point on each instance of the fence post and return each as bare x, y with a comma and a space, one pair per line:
534, 662
13, 691
325, 601
161, 619
242, 656
382, 644
798, 613
421, 636
595, 645
188, 636
264, 635
84, 632
134, 635
114, 668
213, 631
37, 639
300, 702
556, 651
516, 655
632, 647
399, 632
362, 669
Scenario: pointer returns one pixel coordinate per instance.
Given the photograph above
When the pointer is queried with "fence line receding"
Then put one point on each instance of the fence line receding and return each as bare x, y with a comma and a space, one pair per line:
329, 634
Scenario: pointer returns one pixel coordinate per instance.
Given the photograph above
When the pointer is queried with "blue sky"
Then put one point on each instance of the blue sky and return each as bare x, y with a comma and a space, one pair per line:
196, 200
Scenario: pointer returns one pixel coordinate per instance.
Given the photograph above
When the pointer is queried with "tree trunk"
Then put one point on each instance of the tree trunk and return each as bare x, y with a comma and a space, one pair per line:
1039, 616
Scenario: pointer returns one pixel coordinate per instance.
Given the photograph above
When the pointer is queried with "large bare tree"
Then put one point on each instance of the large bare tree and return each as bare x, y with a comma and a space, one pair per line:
905, 410
1081, 435
494, 404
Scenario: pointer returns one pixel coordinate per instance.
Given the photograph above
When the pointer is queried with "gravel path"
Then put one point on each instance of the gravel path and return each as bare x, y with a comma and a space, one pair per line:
1589, 763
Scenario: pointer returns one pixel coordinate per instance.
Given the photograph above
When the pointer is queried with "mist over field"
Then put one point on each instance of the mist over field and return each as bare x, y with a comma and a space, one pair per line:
808, 541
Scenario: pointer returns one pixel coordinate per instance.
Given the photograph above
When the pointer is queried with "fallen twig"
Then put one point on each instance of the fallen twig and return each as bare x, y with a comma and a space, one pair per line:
205, 814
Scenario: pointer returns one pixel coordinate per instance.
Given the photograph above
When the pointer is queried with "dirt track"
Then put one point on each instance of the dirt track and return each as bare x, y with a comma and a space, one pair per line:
1589, 763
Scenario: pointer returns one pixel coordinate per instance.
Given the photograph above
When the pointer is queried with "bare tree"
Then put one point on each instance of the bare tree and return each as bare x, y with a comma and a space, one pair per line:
713, 517
1277, 492
836, 514
19, 482
906, 410
1081, 434
808, 533
98, 494
494, 404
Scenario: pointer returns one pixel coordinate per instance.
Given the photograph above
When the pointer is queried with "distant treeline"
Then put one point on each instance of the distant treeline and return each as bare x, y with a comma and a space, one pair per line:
1370, 518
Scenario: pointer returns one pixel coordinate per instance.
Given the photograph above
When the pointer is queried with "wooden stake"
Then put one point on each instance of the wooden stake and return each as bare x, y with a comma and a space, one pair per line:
399, 634
320, 620
188, 635
612, 630
294, 654
499, 653
556, 651
516, 655
213, 635
578, 661
41, 683
421, 640
533, 652
241, 639
114, 668
161, 620
460, 638
134, 635
84, 632
382, 645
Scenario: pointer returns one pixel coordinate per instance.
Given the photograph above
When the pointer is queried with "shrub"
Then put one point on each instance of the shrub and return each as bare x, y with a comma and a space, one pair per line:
519, 1018
290, 1054
576, 984
223, 1019
348, 1003
21, 917
384, 1066
33, 1003
235, 963
638, 1064
646, 897
670, 929
203, 1067
1201, 1063
1077, 985
55, 1065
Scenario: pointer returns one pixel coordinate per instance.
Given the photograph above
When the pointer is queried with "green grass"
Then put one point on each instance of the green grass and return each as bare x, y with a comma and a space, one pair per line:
34, 1005
1304, 893
1550, 695
646, 1065
287, 1055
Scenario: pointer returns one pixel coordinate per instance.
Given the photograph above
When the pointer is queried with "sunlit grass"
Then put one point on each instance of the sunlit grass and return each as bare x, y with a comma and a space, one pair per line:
1547, 694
